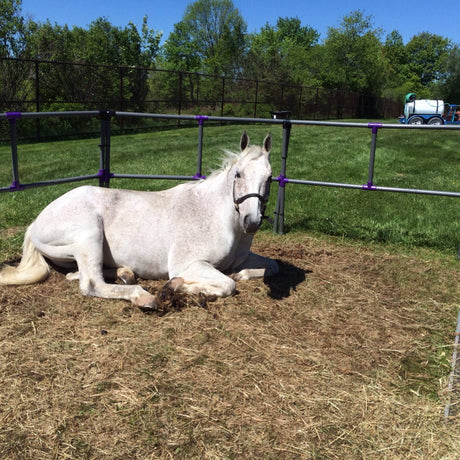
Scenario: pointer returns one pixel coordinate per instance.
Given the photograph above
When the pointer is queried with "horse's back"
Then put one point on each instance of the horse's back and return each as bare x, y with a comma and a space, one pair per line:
75, 209
128, 226
87, 202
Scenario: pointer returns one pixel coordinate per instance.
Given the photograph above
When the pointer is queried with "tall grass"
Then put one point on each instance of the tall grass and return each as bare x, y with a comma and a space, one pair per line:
409, 159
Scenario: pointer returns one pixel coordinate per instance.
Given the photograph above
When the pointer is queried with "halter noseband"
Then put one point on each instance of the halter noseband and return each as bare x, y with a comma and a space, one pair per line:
238, 201
262, 199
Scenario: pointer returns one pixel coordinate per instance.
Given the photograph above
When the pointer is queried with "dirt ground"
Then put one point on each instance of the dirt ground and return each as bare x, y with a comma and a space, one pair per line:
345, 354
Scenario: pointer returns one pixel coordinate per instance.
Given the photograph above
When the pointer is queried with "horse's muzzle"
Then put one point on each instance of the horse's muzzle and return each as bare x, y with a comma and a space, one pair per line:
250, 226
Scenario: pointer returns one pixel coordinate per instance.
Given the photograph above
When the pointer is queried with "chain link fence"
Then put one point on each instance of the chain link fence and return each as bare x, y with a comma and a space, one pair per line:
49, 86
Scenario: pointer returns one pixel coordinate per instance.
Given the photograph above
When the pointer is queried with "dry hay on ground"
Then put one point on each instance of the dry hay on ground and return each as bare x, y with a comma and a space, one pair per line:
344, 355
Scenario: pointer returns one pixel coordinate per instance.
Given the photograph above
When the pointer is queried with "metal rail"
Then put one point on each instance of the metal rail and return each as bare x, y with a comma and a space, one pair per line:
104, 175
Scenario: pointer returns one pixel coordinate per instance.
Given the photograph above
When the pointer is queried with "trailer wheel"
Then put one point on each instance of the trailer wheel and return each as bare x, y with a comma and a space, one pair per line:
435, 121
416, 121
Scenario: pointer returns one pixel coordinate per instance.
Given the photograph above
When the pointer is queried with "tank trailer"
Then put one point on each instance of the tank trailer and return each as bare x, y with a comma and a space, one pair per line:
430, 112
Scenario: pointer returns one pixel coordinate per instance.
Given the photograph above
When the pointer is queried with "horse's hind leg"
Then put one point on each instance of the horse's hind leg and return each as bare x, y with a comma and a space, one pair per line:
123, 275
89, 257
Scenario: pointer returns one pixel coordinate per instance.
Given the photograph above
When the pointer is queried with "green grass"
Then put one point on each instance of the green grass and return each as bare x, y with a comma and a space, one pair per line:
409, 159
406, 159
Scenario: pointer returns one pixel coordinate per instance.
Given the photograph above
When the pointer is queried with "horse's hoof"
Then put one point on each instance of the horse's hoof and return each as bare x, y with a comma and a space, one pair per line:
126, 276
73, 276
174, 283
150, 307
148, 302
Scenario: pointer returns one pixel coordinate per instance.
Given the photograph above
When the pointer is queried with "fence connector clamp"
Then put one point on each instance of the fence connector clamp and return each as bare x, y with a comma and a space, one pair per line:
201, 119
13, 116
282, 180
375, 127
16, 186
106, 114
105, 175
369, 186
199, 176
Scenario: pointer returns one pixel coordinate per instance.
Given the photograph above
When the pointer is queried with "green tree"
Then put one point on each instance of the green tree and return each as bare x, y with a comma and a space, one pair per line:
282, 52
11, 28
210, 38
396, 54
179, 52
449, 88
46, 41
400, 81
353, 58
428, 58
14, 78
101, 43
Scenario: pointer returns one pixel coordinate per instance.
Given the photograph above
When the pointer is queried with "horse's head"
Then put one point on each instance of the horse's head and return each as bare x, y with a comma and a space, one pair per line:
251, 183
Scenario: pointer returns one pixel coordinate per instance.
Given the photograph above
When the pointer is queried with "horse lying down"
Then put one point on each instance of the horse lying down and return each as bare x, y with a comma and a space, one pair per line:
198, 234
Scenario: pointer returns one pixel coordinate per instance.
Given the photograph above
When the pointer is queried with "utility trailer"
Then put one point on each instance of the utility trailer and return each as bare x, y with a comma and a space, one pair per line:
430, 112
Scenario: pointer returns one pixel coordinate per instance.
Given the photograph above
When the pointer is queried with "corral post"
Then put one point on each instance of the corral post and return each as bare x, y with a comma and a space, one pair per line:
278, 225
12, 117
370, 175
104, 169
201, 119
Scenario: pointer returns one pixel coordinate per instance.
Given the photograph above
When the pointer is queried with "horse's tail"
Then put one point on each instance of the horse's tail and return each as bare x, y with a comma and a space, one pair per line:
32, 268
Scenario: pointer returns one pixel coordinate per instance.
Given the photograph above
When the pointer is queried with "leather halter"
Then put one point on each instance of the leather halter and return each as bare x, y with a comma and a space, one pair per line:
262, 199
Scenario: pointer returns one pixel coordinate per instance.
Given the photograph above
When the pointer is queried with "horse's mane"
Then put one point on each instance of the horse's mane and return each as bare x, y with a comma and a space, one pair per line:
229, 158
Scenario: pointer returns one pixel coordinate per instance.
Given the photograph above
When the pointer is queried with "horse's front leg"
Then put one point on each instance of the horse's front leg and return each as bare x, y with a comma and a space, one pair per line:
255, 266
202, 277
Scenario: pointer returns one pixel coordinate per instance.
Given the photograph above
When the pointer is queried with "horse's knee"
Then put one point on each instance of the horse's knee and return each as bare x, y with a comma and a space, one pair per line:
88, 287
222, 288
228, 288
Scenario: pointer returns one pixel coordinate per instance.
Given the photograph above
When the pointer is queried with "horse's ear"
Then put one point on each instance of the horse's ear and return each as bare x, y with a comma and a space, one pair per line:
268, 143
244, 141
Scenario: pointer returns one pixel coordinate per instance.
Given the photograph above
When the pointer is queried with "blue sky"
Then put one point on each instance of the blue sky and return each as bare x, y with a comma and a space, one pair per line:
409, 17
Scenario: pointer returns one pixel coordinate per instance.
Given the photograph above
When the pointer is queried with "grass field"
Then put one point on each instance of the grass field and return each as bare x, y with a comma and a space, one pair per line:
344, 355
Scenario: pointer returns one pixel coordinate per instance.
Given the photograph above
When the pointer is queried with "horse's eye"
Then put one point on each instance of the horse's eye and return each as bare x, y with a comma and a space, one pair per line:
237, 175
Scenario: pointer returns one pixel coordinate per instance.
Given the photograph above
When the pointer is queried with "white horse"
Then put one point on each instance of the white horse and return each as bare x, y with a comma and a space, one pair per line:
197, 234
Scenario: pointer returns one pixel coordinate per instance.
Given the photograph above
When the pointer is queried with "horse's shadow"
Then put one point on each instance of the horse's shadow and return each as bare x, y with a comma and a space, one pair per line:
288, 278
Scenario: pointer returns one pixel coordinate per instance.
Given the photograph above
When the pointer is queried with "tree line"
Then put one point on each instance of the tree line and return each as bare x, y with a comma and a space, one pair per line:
212, 38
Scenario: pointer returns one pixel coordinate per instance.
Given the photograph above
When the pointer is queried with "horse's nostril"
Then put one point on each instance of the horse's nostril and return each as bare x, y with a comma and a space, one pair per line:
251, 226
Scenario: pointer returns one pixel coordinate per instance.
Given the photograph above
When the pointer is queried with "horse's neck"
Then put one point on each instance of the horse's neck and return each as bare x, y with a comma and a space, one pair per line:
217, 191
220, 188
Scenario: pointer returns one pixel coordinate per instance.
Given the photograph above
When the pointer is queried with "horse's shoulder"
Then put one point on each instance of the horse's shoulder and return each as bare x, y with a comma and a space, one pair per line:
84, 190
